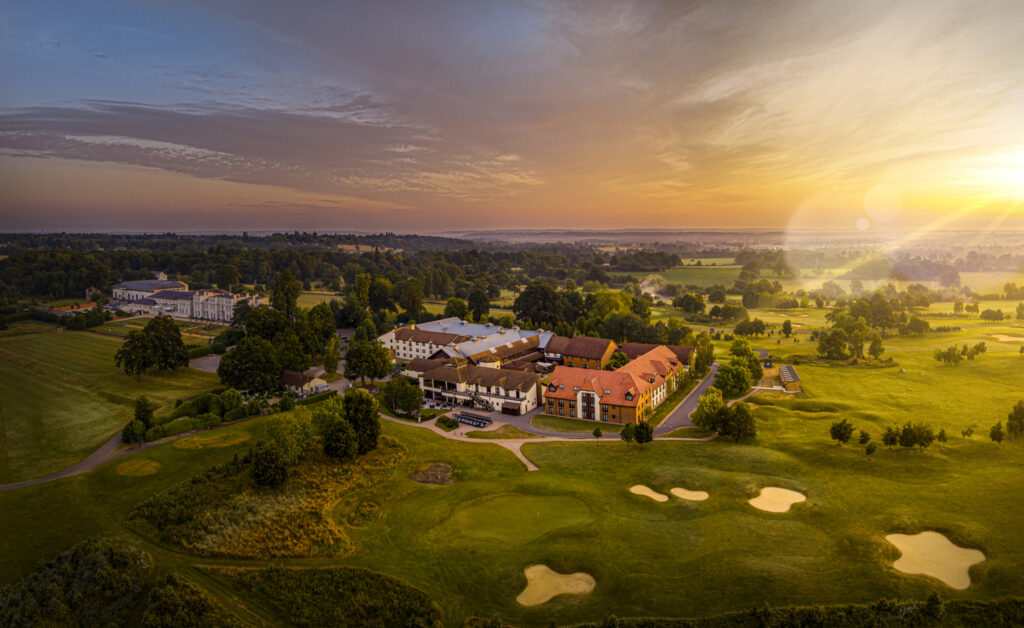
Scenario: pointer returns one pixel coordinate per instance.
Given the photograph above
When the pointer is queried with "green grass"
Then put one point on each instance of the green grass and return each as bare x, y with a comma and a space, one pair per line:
61, 397
581, 426
465, 545
310, 299
505, 431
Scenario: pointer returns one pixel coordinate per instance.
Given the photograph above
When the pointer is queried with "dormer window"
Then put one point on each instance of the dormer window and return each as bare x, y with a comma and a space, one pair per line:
629, 396
576, 388
551, 388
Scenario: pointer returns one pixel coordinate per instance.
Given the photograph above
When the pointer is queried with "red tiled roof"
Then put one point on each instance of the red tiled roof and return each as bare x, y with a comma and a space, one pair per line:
556, 344
566, 379
633, 350
586, 347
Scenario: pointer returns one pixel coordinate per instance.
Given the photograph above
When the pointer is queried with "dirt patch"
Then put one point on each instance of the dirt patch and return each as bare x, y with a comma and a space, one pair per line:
543, 583
1005, 338
775, 499
437, 473
209, 441
932, 554
640, 489
693, 496
138, 468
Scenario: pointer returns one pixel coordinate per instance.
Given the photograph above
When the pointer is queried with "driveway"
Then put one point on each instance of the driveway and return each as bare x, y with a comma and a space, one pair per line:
208, 363
680, 417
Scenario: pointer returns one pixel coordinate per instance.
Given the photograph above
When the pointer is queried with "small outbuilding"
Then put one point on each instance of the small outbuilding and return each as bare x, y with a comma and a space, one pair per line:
301, 383
790, 380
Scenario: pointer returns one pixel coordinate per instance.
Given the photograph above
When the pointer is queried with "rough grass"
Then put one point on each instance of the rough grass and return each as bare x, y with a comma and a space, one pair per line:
61, 397
221, 513
335, 597
212, 439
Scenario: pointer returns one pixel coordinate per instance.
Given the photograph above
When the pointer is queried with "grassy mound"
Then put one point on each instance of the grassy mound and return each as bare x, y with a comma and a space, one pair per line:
221, 512
215, 439
339, 596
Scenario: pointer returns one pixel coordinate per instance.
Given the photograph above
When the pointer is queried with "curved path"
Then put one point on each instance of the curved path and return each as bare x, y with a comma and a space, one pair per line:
515, 444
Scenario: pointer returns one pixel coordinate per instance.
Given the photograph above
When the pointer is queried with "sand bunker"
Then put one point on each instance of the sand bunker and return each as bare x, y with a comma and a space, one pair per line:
775, 499
138, 468
932, 554
640, 489
542, 584
694, 496
1004, 338
211, 440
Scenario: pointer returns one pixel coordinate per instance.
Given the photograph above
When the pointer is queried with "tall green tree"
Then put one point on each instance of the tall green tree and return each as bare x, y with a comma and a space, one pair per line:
479, 304
361, 413
331, 357
739, 425
787, 328
708, 408
996, 433
136, 355
643, 433
367, 360
732, 379
285, 297
1015, 421
455, 307
268, 465
144, 409
252, 365
401, 395
628, 433
841, 431
597, 436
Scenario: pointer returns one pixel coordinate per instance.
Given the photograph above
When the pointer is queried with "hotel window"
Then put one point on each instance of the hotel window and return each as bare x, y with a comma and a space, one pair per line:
561, 402
572, 413
572, 404
604, 417
604, 407
570, 364
562, 412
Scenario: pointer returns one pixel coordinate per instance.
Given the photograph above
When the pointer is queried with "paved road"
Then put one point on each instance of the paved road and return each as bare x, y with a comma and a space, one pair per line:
680, 417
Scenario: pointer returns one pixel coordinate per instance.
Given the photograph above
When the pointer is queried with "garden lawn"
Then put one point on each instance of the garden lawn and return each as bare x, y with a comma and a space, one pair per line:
582, 426
61, 397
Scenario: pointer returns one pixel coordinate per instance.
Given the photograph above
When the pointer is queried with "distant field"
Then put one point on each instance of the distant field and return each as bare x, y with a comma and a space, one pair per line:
191, 333
61, 397
310, 299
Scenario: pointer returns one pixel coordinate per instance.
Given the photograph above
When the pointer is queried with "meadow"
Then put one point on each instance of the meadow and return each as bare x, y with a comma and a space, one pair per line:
61, 397
466, 544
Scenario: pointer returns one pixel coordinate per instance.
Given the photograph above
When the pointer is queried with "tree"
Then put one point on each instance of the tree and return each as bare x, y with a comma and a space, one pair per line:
643, 433
787, 328
268, 465
691, 303
361, 413
628, 433
401, 395
841, 431
996, 433
739, 424
618, 359
331, 357
870, 449
285, 297
290, 352
540, 304
252, 365
597, 436
958, 307
732, 379
941, 436
455, 307
969, 432
367, 360
168, 349
891, 437
293, 434
754, 327
144, 409
833, 344
1015, 421
134, 432
864, 437
708, 408
136, 355
479, 304
409, 294
339, 438
951, 356
875, 348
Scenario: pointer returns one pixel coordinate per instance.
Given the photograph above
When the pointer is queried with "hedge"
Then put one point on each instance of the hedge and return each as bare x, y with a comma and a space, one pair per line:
316, 398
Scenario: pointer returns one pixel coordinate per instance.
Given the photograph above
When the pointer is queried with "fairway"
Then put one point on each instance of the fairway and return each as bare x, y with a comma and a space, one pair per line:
61, 397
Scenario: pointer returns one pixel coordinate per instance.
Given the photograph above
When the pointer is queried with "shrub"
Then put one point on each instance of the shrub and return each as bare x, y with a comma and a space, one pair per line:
200, 352
317, 398
269, 465
173, 603
206, 421
93, 584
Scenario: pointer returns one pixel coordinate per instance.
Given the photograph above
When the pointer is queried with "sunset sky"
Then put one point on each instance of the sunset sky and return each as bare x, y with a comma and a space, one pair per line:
424, 116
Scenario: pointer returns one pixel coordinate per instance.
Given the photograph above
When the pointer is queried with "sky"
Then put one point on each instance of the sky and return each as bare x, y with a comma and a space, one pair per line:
434, 116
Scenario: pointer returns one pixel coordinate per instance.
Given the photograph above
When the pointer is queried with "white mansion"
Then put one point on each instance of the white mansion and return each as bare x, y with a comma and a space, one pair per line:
173, 298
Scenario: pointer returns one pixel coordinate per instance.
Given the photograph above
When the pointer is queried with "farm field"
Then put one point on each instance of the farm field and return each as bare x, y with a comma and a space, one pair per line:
310, 299
472, 539
61, 397
192, 333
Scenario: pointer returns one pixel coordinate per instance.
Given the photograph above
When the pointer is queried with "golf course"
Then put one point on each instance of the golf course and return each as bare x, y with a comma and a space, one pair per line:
467, 544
